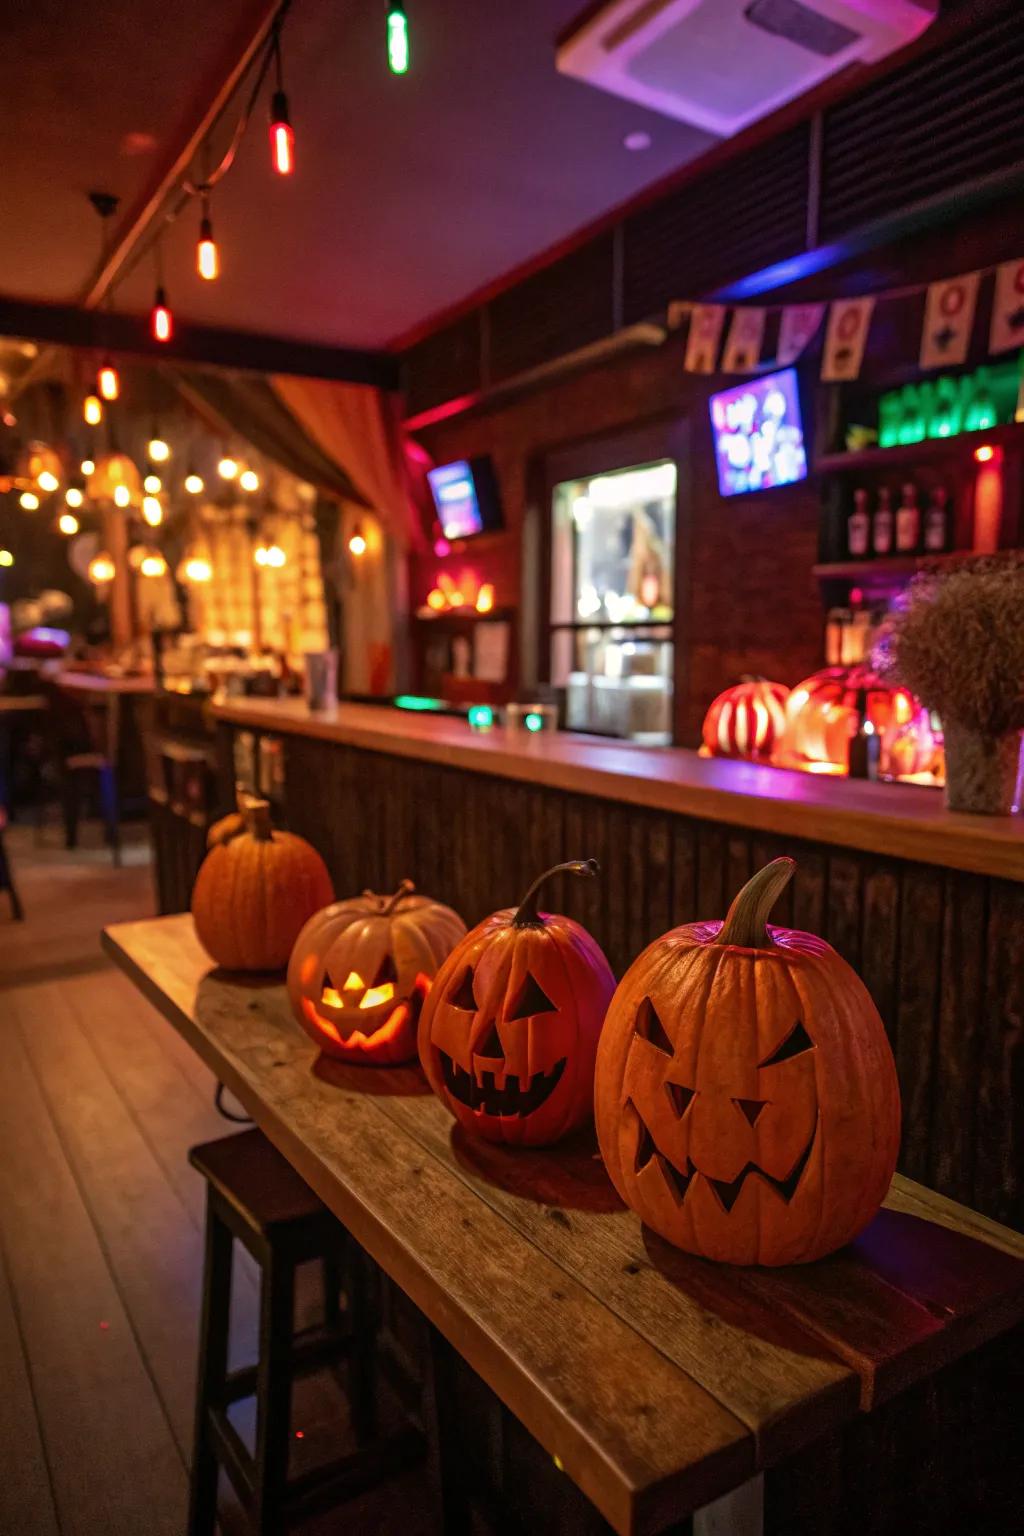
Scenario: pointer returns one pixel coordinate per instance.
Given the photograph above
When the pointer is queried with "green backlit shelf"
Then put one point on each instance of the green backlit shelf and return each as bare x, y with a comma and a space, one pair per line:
1007, 435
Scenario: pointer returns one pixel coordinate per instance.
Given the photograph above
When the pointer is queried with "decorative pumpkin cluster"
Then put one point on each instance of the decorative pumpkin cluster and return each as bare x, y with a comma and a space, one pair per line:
741, 1080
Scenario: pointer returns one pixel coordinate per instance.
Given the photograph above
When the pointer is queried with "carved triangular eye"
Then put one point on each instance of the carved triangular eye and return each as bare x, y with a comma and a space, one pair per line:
679, 1097
492, 1046
532, 999
795, 1043
649, 1027
463, 997
385, 972
750, 1108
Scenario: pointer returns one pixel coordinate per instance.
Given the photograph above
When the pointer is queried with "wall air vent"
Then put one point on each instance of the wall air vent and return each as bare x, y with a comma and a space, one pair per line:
722, 64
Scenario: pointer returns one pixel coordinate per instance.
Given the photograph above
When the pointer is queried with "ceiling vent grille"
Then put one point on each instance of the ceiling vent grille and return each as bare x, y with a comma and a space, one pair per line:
563, 307
745, 215
937, 124
444, 365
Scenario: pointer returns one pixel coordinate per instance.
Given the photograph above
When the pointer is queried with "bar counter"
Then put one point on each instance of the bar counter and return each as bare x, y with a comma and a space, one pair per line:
926, 906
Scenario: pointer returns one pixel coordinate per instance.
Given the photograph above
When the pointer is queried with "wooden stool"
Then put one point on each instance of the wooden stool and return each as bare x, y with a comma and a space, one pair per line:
254, 1195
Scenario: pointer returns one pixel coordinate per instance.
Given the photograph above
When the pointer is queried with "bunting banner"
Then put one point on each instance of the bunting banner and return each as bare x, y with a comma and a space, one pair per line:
743, 343
1008, 308
848, 323
706, 323
948, 321
798, 326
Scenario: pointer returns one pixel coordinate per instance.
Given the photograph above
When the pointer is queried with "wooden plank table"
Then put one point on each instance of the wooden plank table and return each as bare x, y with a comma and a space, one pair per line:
659, 1382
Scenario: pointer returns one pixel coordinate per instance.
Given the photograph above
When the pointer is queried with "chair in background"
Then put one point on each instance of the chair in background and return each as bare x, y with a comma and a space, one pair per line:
88, 745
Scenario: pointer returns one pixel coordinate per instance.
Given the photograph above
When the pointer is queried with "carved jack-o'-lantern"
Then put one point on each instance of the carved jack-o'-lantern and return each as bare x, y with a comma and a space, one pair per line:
509, 1032
747, 720
746, 1096
822, 712
361, 968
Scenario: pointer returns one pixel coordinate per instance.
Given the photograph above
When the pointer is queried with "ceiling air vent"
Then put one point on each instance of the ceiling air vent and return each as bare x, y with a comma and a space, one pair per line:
722, 64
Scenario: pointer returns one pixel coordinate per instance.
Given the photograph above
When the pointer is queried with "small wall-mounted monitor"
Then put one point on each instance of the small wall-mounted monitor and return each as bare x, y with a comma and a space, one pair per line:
465, 495
759, 435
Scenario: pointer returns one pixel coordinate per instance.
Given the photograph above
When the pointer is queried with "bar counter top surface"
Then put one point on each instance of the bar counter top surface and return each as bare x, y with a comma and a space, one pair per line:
896, 820
659, 1381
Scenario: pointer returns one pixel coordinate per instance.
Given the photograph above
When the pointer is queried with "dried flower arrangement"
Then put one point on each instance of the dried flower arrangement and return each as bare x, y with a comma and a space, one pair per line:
956, 639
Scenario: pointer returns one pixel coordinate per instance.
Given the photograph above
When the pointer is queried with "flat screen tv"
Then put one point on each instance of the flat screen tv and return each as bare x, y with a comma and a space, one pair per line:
759, 435
465, 495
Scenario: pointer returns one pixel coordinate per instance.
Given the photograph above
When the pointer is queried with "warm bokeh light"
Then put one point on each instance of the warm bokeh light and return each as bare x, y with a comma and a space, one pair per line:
92, 410
122, 496
198, 569
276, 557
152, 511
101, 569
47, 481
436, 599
73, 496
357, 544
153, 565
68, 523
194, 484
984, 454
161, 320
249, 480
485, 598
158, 450
29, 501
282, 137
152, 485
109, 381
6, 558
88, 466
227, 468
207, 254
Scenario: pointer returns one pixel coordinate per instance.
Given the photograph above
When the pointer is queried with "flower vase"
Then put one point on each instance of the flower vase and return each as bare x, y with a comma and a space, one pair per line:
982, 772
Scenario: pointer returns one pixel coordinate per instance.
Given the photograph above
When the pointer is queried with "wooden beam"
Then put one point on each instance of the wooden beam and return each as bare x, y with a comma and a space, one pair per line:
208, 346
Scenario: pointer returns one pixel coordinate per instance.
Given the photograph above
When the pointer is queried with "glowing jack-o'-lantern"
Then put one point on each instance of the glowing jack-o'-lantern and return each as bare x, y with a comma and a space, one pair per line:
822, 712
361, 969
508, 1036
746, 1096
746, 720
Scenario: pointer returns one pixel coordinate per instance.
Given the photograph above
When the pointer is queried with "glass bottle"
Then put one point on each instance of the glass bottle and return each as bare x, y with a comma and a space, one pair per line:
858, 527
882, 524
865, 745
936, 522
908, 522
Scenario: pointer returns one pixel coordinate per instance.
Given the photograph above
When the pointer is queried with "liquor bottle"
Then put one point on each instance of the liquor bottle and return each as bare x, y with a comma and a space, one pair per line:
865, 747
908, 522
936, 522
858, 527
882, 524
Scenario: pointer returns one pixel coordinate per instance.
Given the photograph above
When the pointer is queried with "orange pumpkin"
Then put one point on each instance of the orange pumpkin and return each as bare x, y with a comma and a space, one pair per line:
746, 1096
508, 1034
254, 892
821, 711
747, 720
361, 969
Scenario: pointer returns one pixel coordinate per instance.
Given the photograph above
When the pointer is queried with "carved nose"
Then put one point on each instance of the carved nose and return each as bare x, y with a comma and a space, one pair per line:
491, 1045
750, 1108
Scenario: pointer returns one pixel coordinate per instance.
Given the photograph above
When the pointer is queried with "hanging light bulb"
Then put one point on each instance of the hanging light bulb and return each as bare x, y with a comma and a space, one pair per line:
249, 480
6, 558
357, 543
108, 381
260, 554
73, 496
398, 38
152, 511
227, 468
158, 450
92, 410
152, 485
101, 569
88, 466
68, 523
29, 501
47, 481
161, 321
194, 484
207, 255
195, 568
276, 557
153, 565
122, 496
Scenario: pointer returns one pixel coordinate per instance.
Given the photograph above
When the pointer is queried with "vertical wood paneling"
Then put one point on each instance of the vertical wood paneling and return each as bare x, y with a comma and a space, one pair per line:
921, 936
960, 1025
684, 871
808, 887
879, 966
843, 907
658, 877
712, 897
999, 1166
585, 836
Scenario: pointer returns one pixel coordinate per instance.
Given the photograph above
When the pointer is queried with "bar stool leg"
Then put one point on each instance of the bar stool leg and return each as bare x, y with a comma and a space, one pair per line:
274, 1393
443, 1448
212, 1372
363, 1370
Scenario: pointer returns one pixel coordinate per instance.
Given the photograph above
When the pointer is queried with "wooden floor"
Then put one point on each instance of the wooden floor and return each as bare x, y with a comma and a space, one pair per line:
100, 1229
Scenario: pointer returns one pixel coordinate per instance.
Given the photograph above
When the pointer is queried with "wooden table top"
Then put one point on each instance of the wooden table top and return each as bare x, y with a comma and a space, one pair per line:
21, 703
896, 820
93, 682
658, 1380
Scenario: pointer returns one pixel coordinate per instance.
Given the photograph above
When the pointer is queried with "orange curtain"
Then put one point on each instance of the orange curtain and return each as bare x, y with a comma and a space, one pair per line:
358, 426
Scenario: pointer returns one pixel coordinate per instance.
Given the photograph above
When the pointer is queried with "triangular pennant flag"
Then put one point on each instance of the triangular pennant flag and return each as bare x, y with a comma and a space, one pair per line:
706, 323
948, 321
1008, 308
848, 324
798, 326
743, 344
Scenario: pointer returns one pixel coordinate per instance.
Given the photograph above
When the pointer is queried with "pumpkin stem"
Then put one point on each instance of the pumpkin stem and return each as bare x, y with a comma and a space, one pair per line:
257, 818
747, 922
389, 903
527, 915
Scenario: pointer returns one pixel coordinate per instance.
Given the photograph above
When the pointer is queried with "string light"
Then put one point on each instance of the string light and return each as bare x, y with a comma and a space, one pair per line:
152, 485
47, 481
73, 496
68, 523
92, 410
249, 480
196, 568
88, 467
101, 569
398, 38
161, 321
6, 558
207, 254
357, 543
153, 565
108, 381
29, 501
194, 484
122, 496
272, 555
227, 468
158, 450
152, 511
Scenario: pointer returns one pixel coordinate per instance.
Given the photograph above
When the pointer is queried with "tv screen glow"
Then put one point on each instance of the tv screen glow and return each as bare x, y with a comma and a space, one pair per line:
759, 437
465, 495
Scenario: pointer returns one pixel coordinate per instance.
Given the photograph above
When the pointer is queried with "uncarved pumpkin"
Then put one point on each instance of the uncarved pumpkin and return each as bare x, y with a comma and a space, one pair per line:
508, 1034
746, 720
746, 1096
254, 892
361, 969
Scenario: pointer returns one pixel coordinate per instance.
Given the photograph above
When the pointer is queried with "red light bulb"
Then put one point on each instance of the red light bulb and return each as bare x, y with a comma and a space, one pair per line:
161, 320
282, 136
108, 380
207, 255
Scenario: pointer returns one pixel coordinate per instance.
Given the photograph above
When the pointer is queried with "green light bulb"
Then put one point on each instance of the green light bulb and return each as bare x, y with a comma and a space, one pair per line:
398, 39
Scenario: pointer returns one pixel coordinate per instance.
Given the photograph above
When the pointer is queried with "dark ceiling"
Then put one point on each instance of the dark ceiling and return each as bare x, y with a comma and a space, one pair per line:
408, 194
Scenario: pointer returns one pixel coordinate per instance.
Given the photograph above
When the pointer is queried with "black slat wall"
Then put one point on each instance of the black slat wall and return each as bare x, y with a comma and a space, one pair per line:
929, 130
941, 951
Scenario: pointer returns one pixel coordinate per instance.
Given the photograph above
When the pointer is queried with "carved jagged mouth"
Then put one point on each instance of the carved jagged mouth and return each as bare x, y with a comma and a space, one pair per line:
479, 1091
726, 1191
